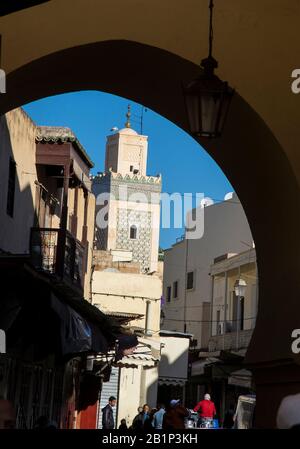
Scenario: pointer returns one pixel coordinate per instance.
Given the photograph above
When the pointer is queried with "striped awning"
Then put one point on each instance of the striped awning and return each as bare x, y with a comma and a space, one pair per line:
141, 357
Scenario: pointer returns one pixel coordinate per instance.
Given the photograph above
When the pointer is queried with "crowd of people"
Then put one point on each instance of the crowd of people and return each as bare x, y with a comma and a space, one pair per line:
170, 417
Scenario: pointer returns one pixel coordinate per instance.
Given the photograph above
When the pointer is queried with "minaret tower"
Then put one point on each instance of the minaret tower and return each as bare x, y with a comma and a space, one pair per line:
132, 217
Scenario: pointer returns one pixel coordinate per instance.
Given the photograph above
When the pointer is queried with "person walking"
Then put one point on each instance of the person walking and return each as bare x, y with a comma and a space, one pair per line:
138, 421
159, 416
108, 421
174, 417
206, 410
146, 414
148, 424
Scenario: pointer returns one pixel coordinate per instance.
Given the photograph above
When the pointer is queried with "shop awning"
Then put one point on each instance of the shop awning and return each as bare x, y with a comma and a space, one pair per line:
141, 357
241, 378
174, 381
34, 310
123, 317
199, 366
77, 334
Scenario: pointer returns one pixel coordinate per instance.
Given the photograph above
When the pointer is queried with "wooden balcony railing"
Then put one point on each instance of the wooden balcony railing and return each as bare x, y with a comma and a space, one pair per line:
45, 254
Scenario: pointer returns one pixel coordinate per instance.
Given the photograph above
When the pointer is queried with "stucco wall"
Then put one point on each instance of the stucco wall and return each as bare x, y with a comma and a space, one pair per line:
174, 357
128, 293
17, 140
124, 150
129, 387
140, 385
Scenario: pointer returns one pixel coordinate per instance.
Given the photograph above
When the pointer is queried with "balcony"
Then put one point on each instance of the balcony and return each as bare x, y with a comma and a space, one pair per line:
45, 244
230, 341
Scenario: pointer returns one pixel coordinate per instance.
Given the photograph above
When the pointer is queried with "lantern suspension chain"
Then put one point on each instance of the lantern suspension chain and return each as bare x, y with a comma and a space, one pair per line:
211, 32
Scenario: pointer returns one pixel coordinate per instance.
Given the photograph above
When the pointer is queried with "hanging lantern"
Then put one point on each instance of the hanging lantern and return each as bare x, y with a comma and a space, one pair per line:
207, 98
240, 287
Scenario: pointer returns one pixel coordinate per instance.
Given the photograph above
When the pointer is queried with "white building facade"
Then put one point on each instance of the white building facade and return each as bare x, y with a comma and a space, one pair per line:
187, 284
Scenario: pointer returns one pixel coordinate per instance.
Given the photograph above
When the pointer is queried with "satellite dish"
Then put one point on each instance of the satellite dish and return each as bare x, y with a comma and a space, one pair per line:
228, 196
115, 128
206, 202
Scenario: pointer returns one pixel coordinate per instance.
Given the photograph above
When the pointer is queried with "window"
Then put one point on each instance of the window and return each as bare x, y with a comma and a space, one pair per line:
11, 188
133, 232
238, 321
175, 289
190, 280
168, 295
131, 167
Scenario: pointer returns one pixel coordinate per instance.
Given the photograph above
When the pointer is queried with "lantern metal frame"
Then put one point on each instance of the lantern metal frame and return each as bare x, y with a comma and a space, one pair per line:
207, 98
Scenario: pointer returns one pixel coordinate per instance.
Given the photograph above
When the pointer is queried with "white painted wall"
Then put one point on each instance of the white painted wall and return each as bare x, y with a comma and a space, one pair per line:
129, 394
174, 357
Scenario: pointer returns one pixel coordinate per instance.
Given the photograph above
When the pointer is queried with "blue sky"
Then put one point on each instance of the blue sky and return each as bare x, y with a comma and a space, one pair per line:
184, 165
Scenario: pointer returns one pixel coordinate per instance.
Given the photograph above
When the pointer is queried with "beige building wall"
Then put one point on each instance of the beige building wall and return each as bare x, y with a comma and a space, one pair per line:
226, 230
128, 293
129, 387
140, 385
17, 141
151, 385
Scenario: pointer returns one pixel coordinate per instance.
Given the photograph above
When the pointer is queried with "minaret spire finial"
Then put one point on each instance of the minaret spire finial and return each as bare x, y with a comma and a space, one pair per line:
128, 115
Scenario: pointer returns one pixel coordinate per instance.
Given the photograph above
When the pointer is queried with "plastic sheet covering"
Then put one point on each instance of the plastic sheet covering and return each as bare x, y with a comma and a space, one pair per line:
75, 332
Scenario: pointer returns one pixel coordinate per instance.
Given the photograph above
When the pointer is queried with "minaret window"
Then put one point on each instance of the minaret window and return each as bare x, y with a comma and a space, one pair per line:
133, 232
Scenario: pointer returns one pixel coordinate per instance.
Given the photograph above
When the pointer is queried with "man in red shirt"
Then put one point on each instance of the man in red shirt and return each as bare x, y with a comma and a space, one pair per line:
206, 409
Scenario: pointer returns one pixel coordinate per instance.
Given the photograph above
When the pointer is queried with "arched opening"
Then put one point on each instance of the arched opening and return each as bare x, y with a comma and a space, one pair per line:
248, 153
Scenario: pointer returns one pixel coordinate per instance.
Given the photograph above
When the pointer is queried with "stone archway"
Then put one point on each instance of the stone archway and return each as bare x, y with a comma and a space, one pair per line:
249, 155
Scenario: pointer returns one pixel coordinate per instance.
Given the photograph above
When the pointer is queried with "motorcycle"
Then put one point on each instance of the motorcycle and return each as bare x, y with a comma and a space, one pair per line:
206, 423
